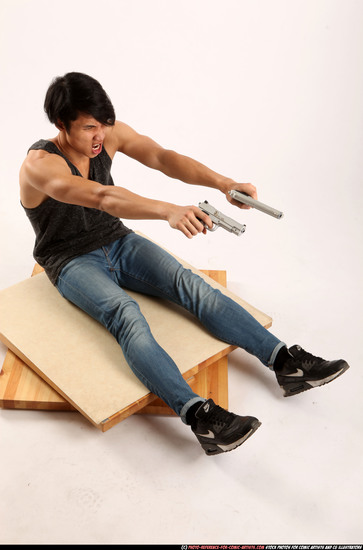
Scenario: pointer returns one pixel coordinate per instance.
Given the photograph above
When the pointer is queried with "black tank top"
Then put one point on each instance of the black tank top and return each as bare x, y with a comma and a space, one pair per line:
65, 231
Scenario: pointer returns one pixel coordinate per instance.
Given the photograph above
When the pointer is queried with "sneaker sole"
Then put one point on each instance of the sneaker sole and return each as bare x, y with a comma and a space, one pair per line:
215, 448
299, 386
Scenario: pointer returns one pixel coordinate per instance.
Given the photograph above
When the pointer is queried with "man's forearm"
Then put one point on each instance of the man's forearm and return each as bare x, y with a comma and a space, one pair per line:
122, 203
186, 169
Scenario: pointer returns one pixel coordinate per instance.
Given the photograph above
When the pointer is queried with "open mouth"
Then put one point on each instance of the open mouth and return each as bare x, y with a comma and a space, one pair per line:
97, 148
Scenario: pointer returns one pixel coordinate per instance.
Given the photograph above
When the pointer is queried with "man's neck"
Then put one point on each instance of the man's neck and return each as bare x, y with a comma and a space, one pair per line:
79, 160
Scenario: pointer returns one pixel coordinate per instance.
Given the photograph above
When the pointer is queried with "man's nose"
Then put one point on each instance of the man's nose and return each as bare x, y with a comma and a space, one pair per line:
100, 135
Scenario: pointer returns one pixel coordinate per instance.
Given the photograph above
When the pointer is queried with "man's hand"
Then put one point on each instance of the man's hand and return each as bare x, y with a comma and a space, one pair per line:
243, 188
189, 220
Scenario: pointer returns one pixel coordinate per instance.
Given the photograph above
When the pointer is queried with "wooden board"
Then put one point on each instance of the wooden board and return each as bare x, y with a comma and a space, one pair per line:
83, 362
22, 388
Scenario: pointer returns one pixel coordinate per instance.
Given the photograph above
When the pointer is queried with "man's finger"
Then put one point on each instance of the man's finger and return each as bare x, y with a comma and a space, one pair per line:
204, 218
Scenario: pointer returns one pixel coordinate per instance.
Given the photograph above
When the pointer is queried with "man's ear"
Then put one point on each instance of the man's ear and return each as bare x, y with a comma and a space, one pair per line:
59, 125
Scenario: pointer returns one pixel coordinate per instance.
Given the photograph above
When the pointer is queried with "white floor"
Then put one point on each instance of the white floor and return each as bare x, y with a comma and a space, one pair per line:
272, 96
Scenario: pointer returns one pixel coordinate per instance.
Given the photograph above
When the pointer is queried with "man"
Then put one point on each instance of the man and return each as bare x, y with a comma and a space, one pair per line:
93, 258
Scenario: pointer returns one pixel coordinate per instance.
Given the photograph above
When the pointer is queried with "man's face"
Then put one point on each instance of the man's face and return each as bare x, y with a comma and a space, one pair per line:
86, 135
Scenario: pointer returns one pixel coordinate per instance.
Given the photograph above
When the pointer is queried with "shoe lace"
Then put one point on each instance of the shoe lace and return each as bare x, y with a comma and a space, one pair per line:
308, 358
221, 416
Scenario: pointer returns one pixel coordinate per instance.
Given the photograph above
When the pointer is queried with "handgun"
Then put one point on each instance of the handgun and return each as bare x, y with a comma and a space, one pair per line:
246, 199
221, 220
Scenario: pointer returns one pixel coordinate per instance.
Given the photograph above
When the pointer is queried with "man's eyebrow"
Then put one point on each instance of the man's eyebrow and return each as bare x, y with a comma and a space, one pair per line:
89, 126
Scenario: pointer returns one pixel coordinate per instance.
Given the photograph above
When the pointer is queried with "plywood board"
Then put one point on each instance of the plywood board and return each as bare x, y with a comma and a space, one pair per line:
83, 362
22, 388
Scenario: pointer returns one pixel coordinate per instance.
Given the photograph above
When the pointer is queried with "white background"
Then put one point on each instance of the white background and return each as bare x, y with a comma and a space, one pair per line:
263, 91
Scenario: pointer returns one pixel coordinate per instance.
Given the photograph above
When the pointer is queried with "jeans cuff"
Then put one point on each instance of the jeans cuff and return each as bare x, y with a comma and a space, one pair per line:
188, 404
274, 354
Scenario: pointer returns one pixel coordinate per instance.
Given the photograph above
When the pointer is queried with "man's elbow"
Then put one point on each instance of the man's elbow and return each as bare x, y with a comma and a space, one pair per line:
101, 199
105, 201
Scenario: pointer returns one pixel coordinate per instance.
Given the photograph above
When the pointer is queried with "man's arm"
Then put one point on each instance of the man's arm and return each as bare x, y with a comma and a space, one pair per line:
174, 165
49, 175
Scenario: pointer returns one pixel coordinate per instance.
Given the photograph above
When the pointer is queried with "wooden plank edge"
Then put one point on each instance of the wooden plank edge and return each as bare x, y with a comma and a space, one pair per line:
40, 373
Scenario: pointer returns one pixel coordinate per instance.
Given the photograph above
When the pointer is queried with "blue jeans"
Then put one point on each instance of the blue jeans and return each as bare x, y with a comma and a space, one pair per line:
97, 282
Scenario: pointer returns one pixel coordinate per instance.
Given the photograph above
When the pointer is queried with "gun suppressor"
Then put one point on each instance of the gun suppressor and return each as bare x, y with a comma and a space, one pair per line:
246, 199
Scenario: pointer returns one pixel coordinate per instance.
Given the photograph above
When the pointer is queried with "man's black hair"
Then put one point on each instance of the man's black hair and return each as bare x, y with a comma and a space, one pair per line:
74, 93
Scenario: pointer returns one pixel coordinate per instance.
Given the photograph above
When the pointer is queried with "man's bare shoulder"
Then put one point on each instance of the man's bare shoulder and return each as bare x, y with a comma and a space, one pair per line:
37, 169
118, 137
38, 159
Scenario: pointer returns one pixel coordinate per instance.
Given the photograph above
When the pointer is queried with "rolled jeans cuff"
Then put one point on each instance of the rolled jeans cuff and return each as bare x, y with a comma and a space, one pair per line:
274, 354
188, 404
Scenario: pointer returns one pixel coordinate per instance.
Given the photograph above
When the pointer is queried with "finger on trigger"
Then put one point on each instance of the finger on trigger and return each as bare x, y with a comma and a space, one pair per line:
205, 219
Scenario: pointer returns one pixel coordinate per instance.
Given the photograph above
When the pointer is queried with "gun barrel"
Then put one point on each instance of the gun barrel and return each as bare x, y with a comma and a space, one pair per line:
246, 199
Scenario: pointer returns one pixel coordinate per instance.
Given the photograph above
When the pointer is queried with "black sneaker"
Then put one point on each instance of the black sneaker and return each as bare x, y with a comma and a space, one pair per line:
219, 431
303, 371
